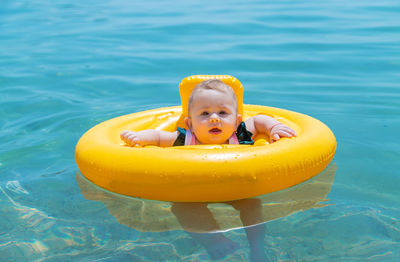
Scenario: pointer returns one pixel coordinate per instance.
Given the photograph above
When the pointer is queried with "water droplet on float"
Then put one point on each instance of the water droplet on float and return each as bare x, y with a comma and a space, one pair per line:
203, 156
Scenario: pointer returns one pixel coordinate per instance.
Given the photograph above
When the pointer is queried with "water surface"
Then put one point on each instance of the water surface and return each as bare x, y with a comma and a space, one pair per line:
65, 67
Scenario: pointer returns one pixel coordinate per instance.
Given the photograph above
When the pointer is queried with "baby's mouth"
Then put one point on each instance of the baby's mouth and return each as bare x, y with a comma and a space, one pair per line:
215, 131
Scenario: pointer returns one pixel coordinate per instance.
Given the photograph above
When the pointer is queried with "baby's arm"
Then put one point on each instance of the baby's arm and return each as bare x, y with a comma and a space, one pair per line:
149, 138
262, 124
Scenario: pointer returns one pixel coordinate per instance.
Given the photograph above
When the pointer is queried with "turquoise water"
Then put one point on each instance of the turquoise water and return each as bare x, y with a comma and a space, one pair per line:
65, 67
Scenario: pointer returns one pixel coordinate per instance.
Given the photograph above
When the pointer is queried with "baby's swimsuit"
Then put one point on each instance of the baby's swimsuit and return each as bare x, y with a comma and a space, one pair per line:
241, 136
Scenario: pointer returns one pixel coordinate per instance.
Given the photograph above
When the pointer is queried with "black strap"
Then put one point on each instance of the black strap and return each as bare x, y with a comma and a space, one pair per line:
180, 140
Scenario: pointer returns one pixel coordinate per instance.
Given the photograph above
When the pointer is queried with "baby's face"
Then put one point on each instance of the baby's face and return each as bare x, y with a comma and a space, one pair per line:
213, 117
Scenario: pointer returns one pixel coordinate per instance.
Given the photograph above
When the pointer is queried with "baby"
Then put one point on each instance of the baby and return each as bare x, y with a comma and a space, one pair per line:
213, 119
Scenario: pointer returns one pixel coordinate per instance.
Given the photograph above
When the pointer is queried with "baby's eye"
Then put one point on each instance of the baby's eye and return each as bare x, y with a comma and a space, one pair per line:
205, 113
222, 112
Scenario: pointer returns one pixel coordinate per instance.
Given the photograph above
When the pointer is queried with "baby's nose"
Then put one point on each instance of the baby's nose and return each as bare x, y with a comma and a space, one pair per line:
214, 119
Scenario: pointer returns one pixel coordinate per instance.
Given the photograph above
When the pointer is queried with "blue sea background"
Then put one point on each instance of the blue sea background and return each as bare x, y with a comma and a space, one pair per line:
66, 66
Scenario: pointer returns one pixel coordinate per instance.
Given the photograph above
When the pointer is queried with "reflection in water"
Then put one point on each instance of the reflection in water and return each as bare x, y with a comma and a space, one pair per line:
205, 222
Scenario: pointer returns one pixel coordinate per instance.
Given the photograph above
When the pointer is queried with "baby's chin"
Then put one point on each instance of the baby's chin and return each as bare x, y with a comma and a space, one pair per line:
214, 141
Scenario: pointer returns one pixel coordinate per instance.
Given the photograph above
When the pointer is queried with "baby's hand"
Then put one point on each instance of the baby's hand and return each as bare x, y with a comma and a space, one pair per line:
131, 138
280, 130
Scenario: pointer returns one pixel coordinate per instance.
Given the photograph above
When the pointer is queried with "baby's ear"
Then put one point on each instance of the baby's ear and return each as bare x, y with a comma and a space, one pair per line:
188, 122
239, 119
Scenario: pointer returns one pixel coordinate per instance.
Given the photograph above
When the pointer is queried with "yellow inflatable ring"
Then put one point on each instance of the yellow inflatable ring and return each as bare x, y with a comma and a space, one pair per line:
203, 173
